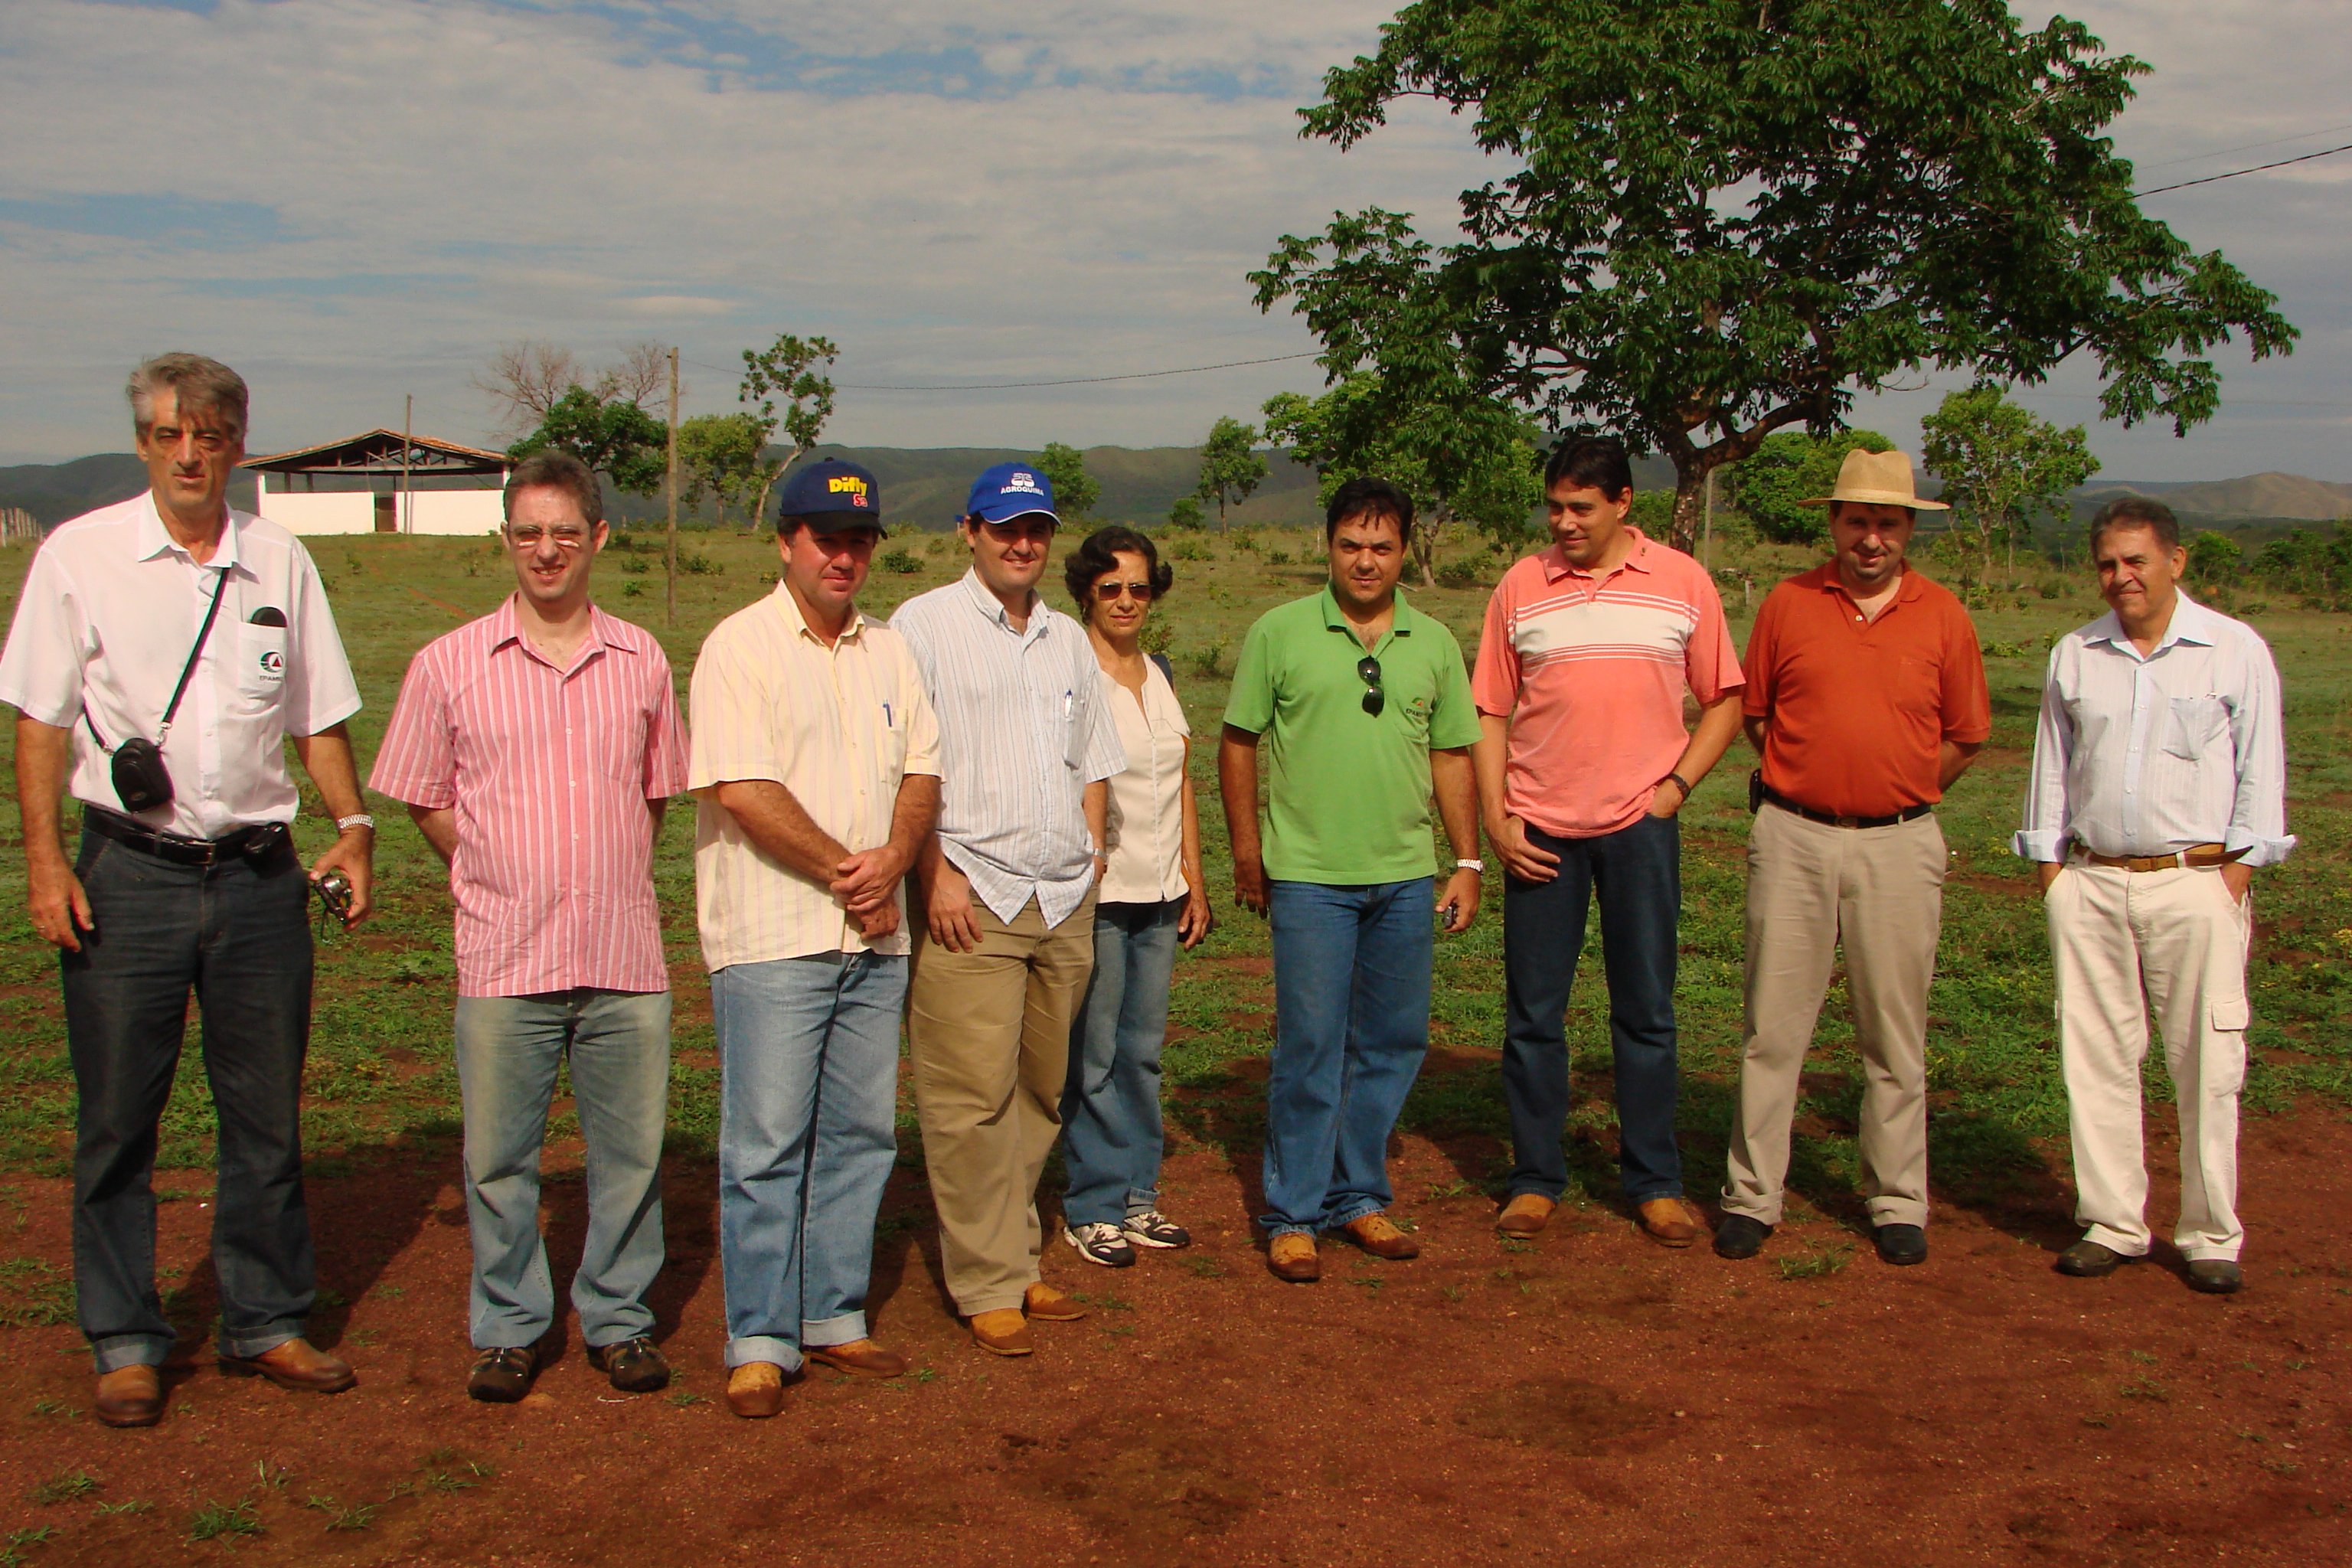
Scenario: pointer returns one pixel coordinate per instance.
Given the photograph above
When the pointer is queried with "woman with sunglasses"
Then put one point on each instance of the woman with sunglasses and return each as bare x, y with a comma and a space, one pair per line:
1152, 898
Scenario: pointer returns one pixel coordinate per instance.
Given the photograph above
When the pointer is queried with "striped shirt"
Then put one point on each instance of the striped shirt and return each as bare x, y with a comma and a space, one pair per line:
1592, 671
2148, 755
839, 728
548, 772
1024, 729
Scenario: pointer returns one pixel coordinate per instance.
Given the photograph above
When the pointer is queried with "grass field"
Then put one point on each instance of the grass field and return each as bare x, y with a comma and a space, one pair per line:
381, 1077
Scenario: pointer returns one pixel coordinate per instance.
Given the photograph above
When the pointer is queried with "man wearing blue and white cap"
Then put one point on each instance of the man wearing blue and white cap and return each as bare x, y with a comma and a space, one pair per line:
1005, 941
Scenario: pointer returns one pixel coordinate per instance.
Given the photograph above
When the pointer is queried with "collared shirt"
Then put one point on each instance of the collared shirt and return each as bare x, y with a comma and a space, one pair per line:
2148, 755
1592, 670
839, 728
108, 615
1023, 731
548, 772
1861, 706
1147, 800
1347, 791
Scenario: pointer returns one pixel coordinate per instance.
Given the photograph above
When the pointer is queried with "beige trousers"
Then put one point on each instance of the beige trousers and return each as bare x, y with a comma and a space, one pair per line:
988, 1036
1879, 892
2129, 943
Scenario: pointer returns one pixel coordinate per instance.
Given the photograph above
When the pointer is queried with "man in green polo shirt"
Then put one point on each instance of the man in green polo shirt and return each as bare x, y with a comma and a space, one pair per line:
1365, 706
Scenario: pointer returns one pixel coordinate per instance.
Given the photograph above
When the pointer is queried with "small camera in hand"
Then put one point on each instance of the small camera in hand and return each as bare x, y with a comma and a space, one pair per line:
334, 892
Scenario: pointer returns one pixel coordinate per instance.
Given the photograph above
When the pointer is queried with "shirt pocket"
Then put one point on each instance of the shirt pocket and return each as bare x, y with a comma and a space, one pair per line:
2194, 725
260, 668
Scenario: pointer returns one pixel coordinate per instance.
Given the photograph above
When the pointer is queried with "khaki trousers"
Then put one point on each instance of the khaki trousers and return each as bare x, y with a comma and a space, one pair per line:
988, 1036
1879, 892
2127, 943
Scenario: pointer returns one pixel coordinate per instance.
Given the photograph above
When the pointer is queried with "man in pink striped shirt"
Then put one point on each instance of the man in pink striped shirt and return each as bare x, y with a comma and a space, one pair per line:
535, 748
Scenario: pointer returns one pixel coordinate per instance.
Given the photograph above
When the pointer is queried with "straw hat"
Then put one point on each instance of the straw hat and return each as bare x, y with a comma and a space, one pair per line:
1876, 478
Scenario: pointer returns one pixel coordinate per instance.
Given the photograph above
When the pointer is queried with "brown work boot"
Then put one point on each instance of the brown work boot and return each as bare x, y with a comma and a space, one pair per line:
1292, 1257
130, 1396
1525, 1215
1047, 1305
1671, 1222
1003, 1332
755, 1390
863, 1357
1376, 1235
295, 1363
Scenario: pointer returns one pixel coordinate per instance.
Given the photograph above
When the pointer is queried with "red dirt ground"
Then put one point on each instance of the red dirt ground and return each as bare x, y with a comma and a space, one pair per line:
1589, 1398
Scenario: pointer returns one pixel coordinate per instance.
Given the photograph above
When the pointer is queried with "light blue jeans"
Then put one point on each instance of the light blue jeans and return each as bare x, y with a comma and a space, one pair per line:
1351, 973
808, 1096
507, 1049
1111, 1138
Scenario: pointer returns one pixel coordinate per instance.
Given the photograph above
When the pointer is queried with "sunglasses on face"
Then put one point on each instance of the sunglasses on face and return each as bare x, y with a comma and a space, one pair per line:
1109, 591
527, 538
1367, 669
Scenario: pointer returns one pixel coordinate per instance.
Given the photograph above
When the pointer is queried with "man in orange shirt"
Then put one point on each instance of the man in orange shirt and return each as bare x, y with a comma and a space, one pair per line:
1865, 699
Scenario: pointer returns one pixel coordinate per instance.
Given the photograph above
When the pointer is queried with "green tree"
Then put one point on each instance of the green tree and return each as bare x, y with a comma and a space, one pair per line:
2002, 466
1185, 514
1075, 490
1788, 468
1472, 459
722, 454
1230, 465
610, 434
2214, 559
1726, 218
788, 368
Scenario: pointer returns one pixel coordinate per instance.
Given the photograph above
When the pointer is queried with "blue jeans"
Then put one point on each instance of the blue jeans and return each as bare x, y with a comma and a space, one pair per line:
240, 936
1110, 1111
1351, 1023
507, 1048
808, 1097
1635, 873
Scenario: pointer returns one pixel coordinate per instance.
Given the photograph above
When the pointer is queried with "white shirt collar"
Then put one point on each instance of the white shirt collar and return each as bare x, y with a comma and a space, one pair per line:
990, 605
2191, 622
154, 539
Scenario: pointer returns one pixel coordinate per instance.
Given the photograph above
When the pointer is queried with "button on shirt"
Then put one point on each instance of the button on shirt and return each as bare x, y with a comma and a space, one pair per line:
1147, 801
1023, 731
2148, 755
108, 615
548, 772
839, 728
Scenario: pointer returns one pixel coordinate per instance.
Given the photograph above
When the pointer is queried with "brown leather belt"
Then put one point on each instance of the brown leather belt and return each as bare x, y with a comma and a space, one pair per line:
2198, 856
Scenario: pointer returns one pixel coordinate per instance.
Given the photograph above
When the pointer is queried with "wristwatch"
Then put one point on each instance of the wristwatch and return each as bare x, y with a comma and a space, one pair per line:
1478, 866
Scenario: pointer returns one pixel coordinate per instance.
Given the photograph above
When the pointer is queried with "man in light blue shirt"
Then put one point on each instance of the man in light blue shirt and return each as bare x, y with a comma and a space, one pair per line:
2158, 786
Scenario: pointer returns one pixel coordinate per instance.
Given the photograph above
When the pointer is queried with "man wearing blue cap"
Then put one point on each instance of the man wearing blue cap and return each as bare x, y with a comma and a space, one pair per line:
816, 762
1005, 945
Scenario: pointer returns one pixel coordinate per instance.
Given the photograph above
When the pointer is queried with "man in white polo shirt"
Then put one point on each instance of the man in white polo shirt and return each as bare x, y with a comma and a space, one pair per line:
816, 759
172, 627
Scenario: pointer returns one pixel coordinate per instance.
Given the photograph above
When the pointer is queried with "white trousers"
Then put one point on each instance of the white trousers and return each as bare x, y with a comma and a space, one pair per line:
2129, 944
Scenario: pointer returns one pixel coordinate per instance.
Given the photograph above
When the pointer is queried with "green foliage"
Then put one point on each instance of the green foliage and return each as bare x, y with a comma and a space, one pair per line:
1186, 514
2001, 465
1208, 661
901, 560
1719, 218
1230, 465
610, 434
34, 1294
1075, 490
2214, 560
65, 1488
790, 368
2307, 561
1789, 467
214, 1520
720, 454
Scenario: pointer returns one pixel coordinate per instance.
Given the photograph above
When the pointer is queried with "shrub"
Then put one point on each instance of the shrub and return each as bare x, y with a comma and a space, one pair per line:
901, 560
1466, 571
1208, 661
1156, 635
699, 566
1190, 550
1278, 557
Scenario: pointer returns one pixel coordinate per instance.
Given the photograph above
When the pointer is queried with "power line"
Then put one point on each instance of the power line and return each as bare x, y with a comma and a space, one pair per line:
1084, 380
2233, 173
2248, 147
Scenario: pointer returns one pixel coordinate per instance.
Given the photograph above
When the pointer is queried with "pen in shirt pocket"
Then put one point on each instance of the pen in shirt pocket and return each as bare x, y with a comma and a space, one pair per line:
887, 723
1069, 706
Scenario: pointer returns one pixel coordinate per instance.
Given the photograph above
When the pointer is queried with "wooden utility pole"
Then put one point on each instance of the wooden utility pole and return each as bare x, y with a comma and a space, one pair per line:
670, 613
408, 455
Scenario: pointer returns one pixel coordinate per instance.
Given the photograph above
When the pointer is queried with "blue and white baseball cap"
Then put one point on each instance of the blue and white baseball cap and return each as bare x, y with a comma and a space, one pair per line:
1009, 490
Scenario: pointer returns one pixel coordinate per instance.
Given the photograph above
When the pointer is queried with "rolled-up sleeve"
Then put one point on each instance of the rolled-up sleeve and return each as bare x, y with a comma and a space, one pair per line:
2042, 833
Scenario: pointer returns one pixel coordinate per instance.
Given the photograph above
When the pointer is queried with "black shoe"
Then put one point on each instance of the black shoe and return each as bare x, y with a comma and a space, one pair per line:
2215, 1276
2089, 1261
502, 1374
636, 1367
1739, 1237
1901, 1244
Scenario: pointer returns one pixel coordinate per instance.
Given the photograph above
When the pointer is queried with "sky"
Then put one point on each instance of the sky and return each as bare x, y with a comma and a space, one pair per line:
352, 200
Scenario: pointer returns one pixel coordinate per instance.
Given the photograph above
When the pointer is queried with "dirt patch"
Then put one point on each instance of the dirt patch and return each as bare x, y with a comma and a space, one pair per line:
1564, 1415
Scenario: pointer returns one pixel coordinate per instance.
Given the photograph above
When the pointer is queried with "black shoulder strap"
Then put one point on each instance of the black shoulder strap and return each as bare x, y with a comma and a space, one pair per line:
1165, 667
188, 672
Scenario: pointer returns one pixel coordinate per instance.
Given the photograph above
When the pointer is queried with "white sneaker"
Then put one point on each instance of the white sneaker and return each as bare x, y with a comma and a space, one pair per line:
1153, 1228
1103, 1244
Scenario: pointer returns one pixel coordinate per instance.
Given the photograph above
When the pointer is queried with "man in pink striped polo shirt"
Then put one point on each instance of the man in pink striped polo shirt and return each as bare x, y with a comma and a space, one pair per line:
535, 748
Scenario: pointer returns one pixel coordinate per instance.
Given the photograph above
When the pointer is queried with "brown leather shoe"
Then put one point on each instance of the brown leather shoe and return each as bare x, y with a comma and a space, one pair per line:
1047, 1305
1003, 1332
130, 1396
863, 1357
1292, 1257
1525, 1215
755, 1390
1376, 1235
1671, 1222
295, 1363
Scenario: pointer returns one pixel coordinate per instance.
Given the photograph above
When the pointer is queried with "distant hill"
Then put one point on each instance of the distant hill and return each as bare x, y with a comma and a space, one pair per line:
2255, 496
926, 488
53, 493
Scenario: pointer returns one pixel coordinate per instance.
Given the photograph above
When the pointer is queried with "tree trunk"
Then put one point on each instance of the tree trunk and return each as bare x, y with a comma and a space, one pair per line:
1690, 500
1424, 547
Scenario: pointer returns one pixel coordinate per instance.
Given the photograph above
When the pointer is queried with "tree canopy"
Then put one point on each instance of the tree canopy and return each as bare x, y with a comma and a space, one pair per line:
610, 434
722, 455
1727, 217
2002, 466
788, 368
1231, 468
1075, 490
1788, 469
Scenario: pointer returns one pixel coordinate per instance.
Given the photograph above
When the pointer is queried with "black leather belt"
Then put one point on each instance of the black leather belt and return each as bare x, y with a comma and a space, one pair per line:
260, 839
1908, 814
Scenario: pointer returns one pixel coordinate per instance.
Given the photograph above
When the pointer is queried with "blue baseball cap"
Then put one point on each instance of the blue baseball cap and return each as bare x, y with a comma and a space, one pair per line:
831, 495
1009, 490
